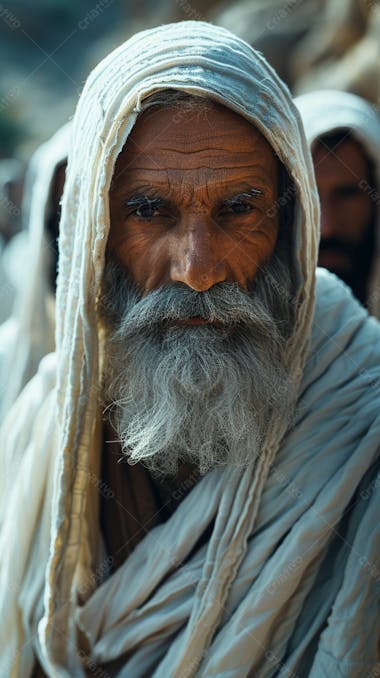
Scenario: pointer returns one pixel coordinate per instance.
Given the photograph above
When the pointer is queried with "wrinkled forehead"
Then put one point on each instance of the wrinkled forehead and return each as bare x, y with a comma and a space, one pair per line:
180, 133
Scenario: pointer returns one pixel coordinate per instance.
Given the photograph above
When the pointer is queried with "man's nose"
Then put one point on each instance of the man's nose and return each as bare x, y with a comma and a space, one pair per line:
198, 260
328, 220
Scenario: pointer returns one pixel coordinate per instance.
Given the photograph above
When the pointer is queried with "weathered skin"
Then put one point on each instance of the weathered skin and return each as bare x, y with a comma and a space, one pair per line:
193, 163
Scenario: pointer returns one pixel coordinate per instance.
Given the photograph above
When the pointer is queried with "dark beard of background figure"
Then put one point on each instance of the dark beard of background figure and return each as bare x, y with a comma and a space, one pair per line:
361, 256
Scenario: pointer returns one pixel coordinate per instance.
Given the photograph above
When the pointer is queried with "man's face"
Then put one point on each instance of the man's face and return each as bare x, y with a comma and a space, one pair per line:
195, 360
190, 197
346, 209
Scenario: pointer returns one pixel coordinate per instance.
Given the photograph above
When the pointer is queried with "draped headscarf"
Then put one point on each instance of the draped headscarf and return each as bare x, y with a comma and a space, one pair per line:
269, 593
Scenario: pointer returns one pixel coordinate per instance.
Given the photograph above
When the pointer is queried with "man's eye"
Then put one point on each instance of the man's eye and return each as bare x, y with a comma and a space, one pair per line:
239, 207
144, 207
147, 211
241, 203
348, 191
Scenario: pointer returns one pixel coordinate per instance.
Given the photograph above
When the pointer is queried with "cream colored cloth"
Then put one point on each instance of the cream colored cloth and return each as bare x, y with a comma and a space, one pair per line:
10, 174
326, 111
28, 334
7, 288
280, 586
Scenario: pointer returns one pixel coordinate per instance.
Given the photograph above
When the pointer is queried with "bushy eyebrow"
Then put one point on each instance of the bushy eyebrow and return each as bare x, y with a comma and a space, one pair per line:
153, 196
245, 195
141, 198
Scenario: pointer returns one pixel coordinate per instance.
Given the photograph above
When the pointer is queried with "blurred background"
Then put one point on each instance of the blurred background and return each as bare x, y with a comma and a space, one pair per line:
48, 47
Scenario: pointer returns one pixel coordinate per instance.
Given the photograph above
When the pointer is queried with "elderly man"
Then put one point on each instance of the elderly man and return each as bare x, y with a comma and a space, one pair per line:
239, 391
344, 133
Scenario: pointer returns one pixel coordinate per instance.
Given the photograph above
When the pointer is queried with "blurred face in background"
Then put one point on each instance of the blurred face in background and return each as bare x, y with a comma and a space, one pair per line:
345, 179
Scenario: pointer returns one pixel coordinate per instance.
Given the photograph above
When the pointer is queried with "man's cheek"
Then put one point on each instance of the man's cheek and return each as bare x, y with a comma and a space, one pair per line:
249, 257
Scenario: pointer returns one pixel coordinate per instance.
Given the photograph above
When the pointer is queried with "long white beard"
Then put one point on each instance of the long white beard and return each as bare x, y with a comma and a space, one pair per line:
201, 394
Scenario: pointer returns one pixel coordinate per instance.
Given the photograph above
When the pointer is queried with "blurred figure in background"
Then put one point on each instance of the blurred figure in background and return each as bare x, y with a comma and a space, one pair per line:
343, 131
28, 334
11, 180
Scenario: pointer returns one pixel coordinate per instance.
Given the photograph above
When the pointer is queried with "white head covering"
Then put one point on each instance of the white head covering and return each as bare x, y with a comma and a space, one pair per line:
327, 111
176, 613
28, 334
10, 171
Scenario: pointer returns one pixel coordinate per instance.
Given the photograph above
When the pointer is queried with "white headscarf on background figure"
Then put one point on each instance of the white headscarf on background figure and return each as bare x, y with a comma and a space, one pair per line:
272, 588
11, 172
28, 334
327, 111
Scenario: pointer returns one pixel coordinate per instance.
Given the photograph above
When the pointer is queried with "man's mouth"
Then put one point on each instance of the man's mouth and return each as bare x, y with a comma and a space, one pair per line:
194, 322
332, 259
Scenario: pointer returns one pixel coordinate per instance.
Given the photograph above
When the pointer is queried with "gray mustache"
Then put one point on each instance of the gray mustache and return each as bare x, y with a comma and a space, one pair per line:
224, 303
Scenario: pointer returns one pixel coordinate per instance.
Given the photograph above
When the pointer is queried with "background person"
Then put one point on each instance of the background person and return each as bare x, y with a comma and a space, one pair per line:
28, 334
343, 131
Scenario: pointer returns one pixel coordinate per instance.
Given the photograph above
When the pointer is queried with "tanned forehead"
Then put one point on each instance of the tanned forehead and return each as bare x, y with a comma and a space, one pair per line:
221, 181
158, 144
191, 130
